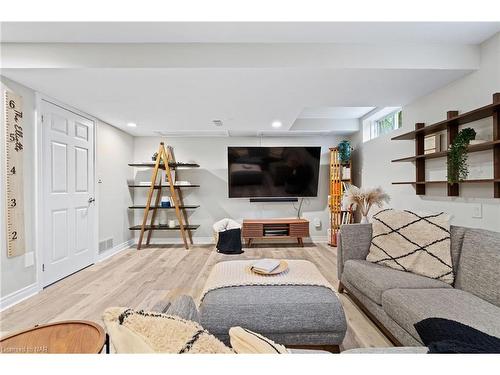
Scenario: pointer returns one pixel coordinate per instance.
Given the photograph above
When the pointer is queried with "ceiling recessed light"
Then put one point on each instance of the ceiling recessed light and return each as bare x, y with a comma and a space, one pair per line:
132, 124
276, 124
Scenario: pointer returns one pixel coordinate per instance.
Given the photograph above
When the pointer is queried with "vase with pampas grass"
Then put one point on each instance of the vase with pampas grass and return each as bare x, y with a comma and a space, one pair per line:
365, 199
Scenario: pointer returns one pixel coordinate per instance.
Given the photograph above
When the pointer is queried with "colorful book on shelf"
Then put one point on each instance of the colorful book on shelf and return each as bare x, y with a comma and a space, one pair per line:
336, 188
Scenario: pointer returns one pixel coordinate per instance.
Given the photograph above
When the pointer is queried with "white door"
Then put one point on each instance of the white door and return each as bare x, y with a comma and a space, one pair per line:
68, 192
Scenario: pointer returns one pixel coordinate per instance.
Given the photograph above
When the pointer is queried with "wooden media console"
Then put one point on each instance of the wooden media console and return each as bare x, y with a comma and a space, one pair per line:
275, 229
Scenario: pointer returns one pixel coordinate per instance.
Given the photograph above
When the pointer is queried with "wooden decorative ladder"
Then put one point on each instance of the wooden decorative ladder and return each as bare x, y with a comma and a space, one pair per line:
165, 159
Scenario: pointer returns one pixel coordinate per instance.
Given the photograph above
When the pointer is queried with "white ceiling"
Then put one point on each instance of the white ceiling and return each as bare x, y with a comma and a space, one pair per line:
249, 32
334, 112
183, 88
244, 99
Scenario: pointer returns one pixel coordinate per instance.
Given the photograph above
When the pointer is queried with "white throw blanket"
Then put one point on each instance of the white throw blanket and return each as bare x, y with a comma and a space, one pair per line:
238, 273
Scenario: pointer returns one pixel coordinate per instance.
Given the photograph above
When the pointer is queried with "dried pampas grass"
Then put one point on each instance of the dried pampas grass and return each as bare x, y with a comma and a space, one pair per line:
366, 198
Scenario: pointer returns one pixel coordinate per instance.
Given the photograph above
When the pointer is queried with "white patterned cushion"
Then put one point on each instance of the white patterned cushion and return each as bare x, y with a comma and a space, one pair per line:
244, 341
133, 331
413, 242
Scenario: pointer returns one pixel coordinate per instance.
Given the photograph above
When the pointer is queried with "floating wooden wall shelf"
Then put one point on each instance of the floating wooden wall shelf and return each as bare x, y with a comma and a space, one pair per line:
451, 125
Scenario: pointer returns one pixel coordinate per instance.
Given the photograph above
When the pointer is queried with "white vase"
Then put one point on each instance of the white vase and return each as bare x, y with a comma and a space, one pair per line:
364, 220
163, 217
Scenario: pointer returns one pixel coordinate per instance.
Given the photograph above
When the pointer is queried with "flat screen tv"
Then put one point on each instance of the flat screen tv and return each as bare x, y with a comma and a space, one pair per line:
273, 172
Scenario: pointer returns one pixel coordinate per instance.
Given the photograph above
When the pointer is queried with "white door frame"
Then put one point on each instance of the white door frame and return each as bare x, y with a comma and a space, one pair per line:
39, 179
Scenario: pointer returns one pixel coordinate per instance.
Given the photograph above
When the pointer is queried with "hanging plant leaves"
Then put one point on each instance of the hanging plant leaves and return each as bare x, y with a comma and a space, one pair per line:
457, 155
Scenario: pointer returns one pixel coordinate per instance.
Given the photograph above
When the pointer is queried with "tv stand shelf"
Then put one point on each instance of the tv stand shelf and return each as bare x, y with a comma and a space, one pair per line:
275, 229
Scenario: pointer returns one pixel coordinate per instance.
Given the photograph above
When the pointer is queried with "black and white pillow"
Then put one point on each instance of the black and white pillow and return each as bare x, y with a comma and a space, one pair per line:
413, 242
133, 331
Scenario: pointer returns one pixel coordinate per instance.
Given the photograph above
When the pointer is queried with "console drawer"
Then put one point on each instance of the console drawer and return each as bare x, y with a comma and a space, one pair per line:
252, 230
299, 230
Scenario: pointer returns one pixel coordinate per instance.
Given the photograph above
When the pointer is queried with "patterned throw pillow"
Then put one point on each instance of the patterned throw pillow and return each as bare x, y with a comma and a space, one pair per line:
413, 242
244, 341
133, 331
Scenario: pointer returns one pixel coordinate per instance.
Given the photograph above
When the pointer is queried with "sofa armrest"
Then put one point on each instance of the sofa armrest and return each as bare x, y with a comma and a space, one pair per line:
184, 307
353, 243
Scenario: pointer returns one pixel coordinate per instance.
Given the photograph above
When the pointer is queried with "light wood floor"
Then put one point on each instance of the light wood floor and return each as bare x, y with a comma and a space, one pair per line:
149, 278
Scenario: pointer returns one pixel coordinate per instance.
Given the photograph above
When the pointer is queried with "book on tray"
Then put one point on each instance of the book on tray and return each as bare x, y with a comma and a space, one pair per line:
265, 265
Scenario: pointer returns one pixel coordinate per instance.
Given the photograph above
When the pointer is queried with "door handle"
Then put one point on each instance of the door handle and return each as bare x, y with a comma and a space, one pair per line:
91, 200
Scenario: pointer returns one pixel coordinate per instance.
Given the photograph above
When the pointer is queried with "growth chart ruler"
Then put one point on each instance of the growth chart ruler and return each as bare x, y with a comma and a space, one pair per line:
14, 173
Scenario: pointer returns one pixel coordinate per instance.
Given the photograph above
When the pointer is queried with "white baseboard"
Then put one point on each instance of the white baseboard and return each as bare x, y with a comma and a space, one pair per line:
319, 239
18, 296
178, 241
210, 240
115, 250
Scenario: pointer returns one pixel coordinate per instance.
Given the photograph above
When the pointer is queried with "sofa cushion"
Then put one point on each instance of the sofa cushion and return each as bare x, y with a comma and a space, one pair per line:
409, 306
413, 242
372, 279
479, 266
457, 239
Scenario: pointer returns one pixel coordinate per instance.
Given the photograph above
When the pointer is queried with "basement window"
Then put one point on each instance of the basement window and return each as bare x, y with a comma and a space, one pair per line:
383, 122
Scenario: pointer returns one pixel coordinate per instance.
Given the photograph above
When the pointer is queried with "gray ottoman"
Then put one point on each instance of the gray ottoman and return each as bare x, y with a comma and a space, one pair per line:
297, 316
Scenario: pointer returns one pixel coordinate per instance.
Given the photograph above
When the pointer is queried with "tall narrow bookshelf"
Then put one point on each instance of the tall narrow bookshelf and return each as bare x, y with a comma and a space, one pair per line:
165, 161
338, 184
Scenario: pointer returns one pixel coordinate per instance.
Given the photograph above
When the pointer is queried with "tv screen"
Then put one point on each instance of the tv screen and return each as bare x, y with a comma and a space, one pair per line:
265, 172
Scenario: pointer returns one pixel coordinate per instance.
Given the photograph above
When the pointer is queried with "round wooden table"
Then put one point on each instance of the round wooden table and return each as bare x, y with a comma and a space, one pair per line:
71, 336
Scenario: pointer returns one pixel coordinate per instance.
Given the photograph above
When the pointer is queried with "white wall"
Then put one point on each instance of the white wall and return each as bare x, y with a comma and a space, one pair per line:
374, 157
114, 148
14, 274
211, 154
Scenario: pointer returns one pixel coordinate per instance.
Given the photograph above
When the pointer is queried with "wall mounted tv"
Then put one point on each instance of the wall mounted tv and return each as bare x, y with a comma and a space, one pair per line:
273, 172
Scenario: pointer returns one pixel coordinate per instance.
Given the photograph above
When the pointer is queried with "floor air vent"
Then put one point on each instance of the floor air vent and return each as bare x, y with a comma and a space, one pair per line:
105, 245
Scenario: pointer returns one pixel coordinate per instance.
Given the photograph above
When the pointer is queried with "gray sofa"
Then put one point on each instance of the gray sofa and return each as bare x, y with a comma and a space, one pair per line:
396, 300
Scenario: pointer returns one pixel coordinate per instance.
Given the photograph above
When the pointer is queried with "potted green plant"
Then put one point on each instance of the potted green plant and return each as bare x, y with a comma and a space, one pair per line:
457, 155
344, 148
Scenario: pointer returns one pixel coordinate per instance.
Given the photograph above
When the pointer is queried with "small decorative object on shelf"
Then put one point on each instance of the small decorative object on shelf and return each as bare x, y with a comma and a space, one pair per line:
432, 143
457, 155
344, 149
365, 199
163, 218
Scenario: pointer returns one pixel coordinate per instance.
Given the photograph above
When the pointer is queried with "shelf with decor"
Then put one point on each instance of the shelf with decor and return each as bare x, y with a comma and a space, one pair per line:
340, 180
451, 127
182, 207
475, 181
164, 227
173, 165
165, 186
455, 120
488, 145
165, 161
